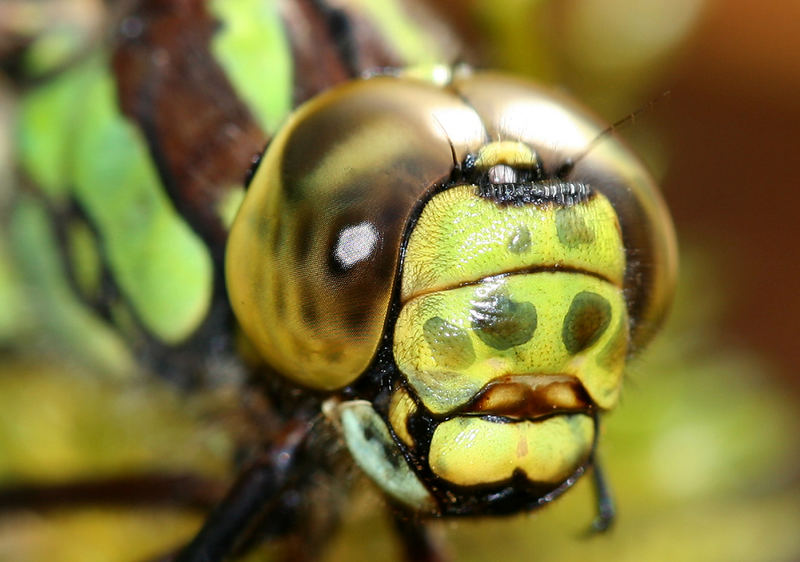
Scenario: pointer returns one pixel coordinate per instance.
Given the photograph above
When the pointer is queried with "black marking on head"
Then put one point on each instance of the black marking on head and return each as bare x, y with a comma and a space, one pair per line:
502, 323
520, 241
540, 193
587, 319
572, 227
450, 345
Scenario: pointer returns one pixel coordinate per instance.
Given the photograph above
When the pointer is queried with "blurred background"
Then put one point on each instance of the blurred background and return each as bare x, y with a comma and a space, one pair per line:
704, 451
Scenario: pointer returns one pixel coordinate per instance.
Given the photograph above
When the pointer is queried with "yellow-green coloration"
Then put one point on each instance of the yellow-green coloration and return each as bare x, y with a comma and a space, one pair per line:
449, 344
470, 451
461, 238
48, 302
84, 256
74, 142
443, 388
377, 454
314, 252
616, 349
497, 290
475, 311
404, 34
249, 30
229, 204
400, 408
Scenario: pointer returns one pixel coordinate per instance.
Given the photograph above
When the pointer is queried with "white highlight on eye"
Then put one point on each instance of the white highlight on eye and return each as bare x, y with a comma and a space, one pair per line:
355, 243
555, 126
465, 126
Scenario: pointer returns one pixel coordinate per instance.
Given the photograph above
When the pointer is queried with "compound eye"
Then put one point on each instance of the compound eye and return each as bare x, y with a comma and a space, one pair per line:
314, 252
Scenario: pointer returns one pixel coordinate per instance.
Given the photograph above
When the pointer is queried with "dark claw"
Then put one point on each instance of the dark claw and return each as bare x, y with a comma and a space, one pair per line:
605, 503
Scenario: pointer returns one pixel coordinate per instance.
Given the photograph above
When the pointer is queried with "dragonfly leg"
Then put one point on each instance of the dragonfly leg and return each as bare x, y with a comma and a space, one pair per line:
416, 540
605, 503
254, 490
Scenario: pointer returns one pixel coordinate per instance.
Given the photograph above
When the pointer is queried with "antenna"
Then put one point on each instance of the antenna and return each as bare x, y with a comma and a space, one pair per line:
570, 163
456, 163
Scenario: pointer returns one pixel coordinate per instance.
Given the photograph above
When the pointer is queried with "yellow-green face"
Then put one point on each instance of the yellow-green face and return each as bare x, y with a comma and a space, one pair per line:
513, 329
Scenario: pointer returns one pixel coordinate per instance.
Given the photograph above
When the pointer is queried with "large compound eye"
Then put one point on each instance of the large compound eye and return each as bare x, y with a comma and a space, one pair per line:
314, 252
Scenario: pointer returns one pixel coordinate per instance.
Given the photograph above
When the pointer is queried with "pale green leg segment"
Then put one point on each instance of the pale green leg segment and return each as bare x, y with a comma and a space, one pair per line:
379, 456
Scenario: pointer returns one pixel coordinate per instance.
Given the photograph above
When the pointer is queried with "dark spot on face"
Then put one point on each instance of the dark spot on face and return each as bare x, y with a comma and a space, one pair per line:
572, 227
502, 323
370, 433
586, 320
450, 345
520, 241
